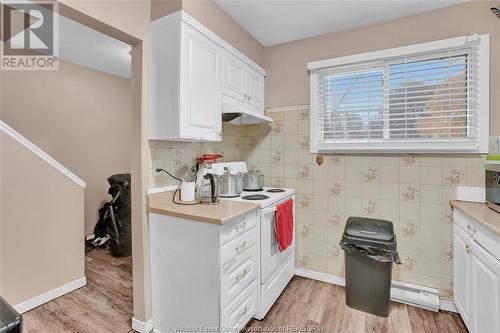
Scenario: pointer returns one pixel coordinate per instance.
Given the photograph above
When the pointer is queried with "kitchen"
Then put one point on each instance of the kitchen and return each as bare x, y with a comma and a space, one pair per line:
410, 186
273, 130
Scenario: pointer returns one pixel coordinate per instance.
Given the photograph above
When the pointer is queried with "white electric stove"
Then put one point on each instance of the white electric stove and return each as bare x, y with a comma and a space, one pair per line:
276, 268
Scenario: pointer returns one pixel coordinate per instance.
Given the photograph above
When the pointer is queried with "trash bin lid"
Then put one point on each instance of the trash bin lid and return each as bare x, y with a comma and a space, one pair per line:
371, 229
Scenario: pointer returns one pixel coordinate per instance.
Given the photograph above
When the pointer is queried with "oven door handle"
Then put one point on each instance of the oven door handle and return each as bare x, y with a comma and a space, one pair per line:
268, 211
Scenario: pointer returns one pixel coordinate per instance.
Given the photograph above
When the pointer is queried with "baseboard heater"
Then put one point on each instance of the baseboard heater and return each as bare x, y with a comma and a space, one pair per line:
402, 292
416, 295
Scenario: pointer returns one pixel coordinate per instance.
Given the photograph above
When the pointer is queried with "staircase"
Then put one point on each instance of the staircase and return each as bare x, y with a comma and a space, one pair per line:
42, 224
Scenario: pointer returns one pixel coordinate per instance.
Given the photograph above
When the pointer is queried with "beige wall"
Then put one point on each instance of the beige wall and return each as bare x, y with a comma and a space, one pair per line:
42, 225
209, 14
287, 81
130, 23
79, 116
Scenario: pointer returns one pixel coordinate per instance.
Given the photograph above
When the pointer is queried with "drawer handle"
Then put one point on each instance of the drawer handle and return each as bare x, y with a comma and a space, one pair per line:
467, 248
240, 315
241, 248
471, 229
242, 275
241, 226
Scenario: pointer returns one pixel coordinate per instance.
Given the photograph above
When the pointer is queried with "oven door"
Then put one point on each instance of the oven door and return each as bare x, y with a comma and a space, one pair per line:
271, 256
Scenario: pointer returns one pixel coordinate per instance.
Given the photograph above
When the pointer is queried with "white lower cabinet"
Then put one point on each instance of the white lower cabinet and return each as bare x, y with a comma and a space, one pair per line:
485, 291
203, 276
476, 277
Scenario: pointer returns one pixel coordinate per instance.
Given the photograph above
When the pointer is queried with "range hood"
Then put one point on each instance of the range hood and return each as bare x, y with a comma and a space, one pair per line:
240, 113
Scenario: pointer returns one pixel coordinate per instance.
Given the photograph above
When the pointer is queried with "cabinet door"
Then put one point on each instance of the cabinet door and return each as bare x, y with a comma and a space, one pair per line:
255, 88
234, 81
461, 273
201, 98
485, 292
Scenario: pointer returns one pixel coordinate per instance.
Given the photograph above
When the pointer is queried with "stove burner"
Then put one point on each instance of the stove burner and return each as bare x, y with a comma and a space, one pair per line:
251, 190
275, 190
255, 197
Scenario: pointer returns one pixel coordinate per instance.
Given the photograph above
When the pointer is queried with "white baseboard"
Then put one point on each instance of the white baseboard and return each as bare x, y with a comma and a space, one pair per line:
50, 295
141, 326
445, 305
320, 276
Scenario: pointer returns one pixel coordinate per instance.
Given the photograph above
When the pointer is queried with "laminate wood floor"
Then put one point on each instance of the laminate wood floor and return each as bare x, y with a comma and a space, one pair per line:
105, 306
311, 306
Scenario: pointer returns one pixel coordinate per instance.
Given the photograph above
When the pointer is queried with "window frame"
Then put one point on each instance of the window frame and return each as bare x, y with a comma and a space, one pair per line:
481, 145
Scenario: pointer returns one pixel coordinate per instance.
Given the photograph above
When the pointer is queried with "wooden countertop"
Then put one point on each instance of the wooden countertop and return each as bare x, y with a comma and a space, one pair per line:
224, 211
479, 212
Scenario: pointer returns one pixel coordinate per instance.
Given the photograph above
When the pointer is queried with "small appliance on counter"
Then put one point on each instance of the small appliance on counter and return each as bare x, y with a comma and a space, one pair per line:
493, 186
207, 182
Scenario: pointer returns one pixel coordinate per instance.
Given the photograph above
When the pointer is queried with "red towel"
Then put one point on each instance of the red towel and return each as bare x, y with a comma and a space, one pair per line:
283, 224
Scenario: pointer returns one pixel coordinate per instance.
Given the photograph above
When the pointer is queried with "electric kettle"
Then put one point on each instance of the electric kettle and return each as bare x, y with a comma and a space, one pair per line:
208, 188
207, 185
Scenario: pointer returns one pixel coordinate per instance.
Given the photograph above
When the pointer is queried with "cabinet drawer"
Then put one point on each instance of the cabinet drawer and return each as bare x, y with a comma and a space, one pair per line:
241, 310
231, 230
481, 234
235, 248
238, 274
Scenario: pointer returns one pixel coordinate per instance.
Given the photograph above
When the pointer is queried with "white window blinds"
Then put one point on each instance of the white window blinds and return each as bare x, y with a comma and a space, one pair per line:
424, 99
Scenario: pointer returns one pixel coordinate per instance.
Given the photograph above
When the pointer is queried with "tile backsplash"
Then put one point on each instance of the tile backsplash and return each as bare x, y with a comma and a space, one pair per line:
178, 157
411, 190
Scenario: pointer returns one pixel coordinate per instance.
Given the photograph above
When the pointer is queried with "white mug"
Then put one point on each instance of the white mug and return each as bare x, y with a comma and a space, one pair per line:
187, 191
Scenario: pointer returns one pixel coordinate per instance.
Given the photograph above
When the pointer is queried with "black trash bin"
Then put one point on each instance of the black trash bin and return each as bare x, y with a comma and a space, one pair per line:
10, 320
370, 250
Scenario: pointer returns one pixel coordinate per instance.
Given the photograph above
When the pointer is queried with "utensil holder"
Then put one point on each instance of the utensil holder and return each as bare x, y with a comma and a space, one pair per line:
187, 191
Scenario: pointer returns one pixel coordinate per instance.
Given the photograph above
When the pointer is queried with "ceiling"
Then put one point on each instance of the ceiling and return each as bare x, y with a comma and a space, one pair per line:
276, 22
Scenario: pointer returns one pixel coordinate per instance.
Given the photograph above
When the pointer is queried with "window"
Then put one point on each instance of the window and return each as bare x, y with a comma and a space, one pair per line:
431, 97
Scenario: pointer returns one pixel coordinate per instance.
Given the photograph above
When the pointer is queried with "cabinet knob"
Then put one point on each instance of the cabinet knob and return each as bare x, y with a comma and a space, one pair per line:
467, 248
241, 247
242, 226
242, 275
471, 228
245, 95
243, 313
220, 134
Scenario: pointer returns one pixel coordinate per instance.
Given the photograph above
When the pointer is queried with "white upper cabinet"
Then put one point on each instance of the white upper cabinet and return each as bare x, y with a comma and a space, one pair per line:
243, 83
200, 99
234, 81
190, 68
255, 88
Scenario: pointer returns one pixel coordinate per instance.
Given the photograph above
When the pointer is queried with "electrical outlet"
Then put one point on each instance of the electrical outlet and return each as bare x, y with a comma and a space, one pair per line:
156, 165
